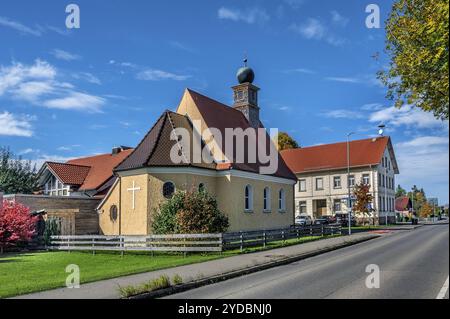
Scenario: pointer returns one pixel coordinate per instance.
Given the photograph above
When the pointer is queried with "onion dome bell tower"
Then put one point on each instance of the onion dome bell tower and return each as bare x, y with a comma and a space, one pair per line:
246, 95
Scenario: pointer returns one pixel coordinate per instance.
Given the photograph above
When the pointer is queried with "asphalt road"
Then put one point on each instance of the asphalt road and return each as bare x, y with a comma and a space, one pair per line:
412, 264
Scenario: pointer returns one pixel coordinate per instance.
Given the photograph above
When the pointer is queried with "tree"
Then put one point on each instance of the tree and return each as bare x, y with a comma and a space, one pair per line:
284, 141
418, 197
417, 34
187, 212
426, 210
16, 175
400, 192
16, 224
363, 198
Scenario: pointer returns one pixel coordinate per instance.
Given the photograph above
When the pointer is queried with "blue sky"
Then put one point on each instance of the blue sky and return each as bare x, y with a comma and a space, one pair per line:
69, 93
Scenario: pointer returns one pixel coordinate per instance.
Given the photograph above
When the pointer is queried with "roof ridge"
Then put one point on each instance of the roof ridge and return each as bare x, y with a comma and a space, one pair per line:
79, 165
335, 143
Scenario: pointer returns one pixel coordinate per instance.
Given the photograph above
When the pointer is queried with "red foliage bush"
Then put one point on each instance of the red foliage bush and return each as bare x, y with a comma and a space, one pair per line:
16, 224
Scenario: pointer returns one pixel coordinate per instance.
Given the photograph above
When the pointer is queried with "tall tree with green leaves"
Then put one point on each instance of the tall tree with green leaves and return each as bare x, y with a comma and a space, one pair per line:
417, 34
400, 192
16, 174
285, 141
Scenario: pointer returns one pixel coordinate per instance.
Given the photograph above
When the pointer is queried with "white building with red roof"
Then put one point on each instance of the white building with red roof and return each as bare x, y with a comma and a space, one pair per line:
322, 188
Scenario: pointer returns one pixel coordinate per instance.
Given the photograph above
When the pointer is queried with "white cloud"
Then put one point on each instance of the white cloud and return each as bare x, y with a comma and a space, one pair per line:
300, 70
312, 29
338, 19
86, 76
13, 125
343, 79
295, 4
77, 101
250, 16
19, 27
181, 46
407, 116
342, 113
372, 107
38, 84
157, 75
64, 55
424, 161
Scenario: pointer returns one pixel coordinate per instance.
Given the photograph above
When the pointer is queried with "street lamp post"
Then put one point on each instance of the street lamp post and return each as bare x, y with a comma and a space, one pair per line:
349, 208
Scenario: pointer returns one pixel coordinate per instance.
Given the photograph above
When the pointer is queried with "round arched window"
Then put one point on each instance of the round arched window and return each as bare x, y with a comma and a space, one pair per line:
168, 189
201, 187
113, 213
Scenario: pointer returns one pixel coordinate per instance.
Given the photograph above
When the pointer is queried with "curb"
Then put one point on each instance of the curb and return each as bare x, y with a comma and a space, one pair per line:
238, 273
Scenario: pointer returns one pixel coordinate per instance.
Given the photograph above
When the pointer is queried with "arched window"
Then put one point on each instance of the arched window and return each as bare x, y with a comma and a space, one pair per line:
113, 213
201, 187
267, 199
281, 200
248, 198
168, 189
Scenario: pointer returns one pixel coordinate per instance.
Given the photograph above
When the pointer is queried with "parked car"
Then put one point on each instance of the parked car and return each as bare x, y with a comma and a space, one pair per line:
325, 220
343, 220
303, 220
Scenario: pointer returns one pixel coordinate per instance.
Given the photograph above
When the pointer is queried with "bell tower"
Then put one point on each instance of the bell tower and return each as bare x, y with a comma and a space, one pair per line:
245, 95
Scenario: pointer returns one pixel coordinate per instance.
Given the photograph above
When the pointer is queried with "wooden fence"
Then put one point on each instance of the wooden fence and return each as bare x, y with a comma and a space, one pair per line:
242, 240
175, 242
189, 242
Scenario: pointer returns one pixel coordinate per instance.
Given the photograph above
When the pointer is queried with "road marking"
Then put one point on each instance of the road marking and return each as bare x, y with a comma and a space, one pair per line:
443, 292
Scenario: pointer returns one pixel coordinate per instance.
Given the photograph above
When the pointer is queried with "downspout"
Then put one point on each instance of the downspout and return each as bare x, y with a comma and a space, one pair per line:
120, 205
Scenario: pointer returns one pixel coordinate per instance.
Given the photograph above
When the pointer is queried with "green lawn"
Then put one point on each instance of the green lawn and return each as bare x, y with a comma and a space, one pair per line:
30, 272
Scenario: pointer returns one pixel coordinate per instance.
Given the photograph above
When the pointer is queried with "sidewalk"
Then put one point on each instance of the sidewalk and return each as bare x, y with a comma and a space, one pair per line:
108, 289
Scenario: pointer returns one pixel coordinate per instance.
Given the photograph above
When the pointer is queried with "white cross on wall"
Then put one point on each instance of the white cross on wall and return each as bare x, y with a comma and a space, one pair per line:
133, 191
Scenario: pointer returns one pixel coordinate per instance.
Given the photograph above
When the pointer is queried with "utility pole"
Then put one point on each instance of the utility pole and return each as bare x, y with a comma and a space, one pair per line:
349, 206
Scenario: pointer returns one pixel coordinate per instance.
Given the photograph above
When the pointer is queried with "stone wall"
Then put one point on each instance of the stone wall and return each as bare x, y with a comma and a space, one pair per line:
80, 211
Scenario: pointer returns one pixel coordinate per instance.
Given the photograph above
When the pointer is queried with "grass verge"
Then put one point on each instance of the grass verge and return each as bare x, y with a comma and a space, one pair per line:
24, 273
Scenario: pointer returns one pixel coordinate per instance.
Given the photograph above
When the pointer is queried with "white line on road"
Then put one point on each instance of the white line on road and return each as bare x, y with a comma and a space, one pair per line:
443, 292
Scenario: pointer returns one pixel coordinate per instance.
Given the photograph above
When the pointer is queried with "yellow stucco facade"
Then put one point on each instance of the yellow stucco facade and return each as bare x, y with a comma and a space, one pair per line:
228, 189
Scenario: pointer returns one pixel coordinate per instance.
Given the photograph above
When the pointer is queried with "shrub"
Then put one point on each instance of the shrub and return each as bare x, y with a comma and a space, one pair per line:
164, 219
177, 280
52, 228
16, 224
188, 213
200, 214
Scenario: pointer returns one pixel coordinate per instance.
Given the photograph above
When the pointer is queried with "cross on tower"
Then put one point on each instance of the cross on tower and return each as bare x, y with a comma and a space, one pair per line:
133, 191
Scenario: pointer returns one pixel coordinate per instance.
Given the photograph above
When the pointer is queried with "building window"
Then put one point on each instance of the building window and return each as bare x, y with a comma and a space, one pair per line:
281, 200
366, 179
201, 187
54, 187
113, 213
302, 208
351, 180
248, 198
319, 184
267, 199
302, 185
337, 205
382, 180
168, 189
337, 182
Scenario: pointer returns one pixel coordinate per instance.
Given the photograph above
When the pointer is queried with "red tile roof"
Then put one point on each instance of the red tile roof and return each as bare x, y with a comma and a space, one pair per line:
403, 203
334, 156
101, 168
69, 174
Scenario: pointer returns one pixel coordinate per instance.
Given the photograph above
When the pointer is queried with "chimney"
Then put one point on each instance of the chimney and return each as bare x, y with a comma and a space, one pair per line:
116, 150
